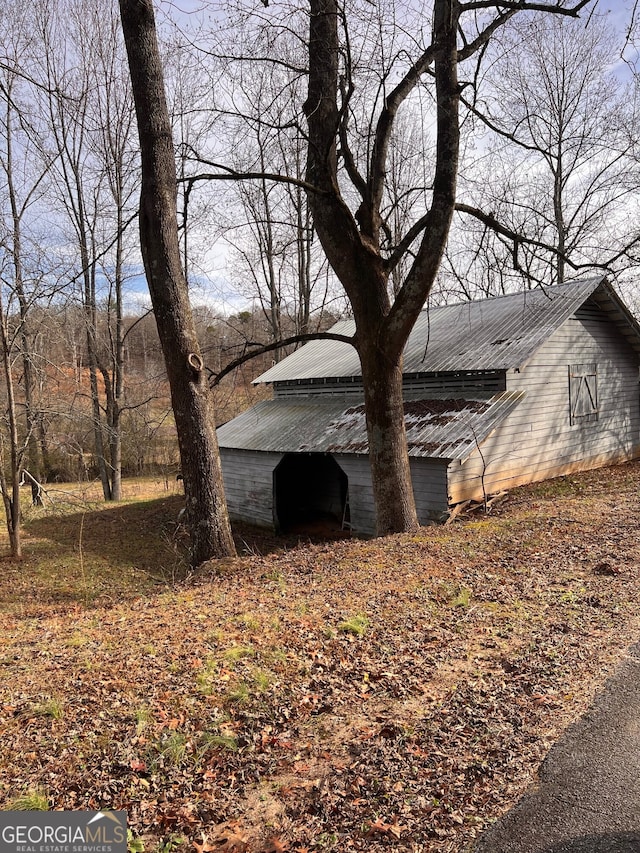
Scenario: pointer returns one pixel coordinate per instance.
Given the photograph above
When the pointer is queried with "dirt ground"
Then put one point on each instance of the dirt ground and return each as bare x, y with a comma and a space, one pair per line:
343, 695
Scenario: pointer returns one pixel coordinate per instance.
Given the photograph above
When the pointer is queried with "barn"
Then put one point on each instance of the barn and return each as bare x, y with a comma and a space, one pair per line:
498, 392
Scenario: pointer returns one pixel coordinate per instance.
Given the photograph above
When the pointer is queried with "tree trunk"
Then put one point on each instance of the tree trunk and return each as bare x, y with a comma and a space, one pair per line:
11, 493
388, 455
31, 415
206, 510
118, 366
115, 457
96, 418
352, 242
558, 212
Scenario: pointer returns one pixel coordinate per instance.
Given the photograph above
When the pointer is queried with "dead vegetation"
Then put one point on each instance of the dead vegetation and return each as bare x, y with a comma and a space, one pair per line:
394, 694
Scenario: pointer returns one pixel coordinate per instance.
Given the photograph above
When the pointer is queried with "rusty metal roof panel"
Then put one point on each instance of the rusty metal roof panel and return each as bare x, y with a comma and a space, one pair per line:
290, 425
452, 429
438, 427
489, 334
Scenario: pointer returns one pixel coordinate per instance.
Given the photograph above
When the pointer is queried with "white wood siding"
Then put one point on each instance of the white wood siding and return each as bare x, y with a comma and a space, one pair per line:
429, 478
363, 521
537, 440
248, 484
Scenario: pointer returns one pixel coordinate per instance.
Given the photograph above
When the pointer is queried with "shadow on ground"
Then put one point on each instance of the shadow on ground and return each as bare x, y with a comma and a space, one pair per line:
106, 555
148, 535
136, 534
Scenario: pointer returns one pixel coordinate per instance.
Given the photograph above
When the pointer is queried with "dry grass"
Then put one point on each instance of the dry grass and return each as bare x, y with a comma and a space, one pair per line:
394, 694
81, 552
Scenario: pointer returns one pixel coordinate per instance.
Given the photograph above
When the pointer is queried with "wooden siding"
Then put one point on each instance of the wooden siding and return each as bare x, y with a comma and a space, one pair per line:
454, 384
429, 478
248, 484
362, 515
429, 488
537, 440
348, 390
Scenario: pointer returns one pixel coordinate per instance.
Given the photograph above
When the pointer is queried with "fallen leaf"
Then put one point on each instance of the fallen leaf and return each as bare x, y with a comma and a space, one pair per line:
274, 845
387, 828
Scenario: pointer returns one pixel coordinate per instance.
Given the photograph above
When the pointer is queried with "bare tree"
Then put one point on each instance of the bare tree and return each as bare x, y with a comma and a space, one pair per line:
366, 68
114, 151
206, 511
555, 163
276, 242
67, 91
189, 99
23, 173
276, 263
342, 153
88, 102
10, 486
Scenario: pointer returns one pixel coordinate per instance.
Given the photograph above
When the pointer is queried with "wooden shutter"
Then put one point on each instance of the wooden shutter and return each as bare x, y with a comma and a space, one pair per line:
583, 393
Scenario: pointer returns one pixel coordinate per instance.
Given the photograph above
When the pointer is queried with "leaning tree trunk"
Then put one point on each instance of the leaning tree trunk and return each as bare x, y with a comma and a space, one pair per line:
206, 511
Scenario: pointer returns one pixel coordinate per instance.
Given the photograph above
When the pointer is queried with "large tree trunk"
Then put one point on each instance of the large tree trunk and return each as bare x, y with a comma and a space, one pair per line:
388, 455
352, 241
206, 510
356, 259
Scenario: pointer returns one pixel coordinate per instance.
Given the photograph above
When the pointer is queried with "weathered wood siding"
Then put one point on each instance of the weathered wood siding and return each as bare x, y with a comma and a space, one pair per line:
429, 487
348, 390
248, 484
362, 515
537, 440
417, 386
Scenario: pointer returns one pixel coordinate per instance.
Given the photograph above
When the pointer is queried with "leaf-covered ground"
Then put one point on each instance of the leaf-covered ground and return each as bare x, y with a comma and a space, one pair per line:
391, 694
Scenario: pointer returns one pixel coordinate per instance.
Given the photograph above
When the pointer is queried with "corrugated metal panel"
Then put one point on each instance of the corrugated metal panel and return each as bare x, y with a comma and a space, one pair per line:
490, 334
442, 427
457, 431
281, 426
318, 359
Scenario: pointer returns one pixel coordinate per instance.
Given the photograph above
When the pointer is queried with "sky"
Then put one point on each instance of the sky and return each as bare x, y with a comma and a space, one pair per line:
213, 286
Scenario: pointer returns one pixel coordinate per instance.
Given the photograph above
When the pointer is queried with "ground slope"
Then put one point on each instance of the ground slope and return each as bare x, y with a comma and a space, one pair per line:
394, 694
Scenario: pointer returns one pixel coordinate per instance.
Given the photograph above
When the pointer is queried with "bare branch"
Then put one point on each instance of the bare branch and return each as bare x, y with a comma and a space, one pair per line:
519, 239
229, 174
522, 5
261, 349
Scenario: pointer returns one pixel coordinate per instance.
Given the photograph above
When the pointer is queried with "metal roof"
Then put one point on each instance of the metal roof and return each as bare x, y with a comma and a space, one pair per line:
490, 334
440, 427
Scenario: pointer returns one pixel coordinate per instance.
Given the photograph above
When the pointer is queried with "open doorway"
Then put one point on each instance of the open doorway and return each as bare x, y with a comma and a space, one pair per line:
310, 494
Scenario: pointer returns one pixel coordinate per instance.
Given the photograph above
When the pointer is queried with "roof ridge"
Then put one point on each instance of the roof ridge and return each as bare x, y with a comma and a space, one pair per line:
525, 292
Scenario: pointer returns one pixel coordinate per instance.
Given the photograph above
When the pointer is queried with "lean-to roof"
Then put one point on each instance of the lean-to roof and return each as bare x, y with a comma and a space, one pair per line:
444, 428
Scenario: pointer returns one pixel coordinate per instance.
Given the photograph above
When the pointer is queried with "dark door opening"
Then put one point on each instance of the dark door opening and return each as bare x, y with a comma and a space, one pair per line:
310, 493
